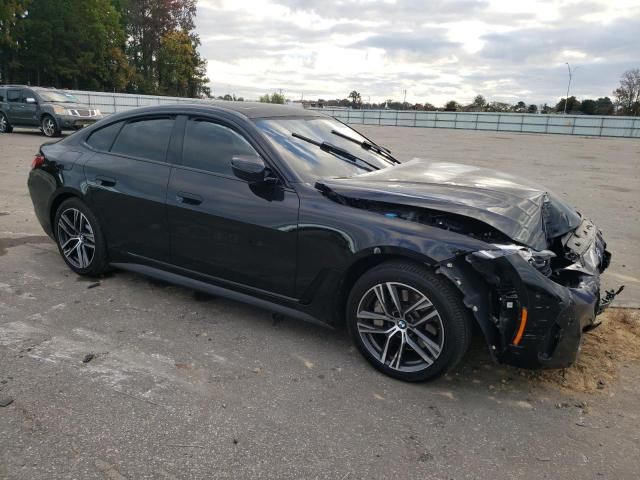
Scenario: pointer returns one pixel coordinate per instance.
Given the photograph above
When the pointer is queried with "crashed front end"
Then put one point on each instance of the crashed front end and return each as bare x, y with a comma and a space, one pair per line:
538, 303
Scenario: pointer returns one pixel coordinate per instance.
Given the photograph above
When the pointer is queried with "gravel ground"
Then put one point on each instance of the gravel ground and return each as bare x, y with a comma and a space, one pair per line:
183, 385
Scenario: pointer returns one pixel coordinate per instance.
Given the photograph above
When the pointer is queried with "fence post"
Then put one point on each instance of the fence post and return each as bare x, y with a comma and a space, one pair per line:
601, 125
114, 105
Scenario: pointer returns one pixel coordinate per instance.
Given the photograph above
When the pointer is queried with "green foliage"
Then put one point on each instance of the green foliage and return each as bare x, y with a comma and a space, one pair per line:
273, 98
451, 106
573, 105
117, 45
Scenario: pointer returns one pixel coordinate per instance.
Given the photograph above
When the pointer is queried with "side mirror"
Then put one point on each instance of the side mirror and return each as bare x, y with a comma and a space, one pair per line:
30, 100
250, 168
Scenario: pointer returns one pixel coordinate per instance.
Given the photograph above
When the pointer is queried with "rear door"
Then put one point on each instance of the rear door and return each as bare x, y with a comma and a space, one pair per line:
127, 184
221, 225
13, 105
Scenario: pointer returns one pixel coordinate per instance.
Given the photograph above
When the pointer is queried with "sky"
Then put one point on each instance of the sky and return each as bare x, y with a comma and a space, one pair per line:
436, 50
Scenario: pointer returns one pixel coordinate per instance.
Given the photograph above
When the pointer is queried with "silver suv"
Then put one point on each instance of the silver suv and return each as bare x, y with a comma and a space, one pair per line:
51, 110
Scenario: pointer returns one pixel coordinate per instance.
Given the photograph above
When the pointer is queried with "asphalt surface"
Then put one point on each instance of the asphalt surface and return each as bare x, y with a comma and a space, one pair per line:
183, 385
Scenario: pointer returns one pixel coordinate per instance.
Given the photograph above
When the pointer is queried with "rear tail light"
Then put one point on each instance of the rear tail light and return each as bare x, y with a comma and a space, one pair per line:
38, 161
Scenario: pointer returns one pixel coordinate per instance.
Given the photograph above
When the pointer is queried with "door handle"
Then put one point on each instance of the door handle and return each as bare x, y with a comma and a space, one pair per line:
105, 181
188, 198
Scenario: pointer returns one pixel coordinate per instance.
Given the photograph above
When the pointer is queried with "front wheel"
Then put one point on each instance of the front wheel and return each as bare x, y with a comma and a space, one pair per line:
5, 126
407, 321
79, 238
49, 126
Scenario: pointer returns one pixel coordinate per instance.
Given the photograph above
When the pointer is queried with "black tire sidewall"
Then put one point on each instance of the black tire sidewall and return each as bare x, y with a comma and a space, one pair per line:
99, 263
8, 128
444, 297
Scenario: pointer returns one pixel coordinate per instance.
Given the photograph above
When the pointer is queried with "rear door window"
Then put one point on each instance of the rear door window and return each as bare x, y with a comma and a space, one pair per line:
146, 138
103, 138
13, 96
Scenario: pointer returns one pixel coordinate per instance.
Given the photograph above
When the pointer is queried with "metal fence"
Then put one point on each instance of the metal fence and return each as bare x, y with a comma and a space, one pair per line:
602, 126
592, 125
109, 103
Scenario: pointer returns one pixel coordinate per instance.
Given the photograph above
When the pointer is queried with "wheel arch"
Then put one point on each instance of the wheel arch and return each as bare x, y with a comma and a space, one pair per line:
57, 200
366, 262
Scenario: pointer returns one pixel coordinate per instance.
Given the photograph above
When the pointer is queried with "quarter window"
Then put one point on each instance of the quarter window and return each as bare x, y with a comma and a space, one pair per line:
210, 146
146, 138
103, 138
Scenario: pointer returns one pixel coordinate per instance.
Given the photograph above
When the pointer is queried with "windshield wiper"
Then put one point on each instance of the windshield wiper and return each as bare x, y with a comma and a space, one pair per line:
341, 152
368, 146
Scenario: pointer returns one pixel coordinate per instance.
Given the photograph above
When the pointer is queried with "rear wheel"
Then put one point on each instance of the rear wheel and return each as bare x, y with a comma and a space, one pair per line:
79, 238
49, 126
5, 126
407, 321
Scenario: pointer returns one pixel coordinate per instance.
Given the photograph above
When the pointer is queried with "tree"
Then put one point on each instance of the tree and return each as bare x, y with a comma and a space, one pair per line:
147, 23
588, 106
628, 93
573, 104
533, 108
180, 69
519, 107
604, 106
88, 37
498, 107
11, 12
356, 98
451, 106
273, 98
478, 105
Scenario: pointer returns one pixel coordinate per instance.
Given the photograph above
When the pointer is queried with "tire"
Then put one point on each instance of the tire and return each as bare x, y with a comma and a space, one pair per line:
77, 233
49, 126
5, 126
434, 326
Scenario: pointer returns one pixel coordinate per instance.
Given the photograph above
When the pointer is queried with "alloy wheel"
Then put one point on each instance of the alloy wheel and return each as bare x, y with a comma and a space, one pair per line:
48, 127
76, 238
400, 327
3, 124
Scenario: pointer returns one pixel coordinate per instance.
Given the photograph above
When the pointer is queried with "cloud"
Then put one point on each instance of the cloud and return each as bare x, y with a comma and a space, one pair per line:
436, 50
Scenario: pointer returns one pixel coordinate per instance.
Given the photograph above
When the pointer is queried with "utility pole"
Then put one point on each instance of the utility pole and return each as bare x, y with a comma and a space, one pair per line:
568, 86
404, 102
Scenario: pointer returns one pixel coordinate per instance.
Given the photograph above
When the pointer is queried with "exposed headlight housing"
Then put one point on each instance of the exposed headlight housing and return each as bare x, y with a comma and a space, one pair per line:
541, 261
60, 110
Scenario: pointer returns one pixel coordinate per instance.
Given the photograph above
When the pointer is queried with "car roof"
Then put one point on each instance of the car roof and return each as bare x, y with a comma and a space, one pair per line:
261, 110
250, 110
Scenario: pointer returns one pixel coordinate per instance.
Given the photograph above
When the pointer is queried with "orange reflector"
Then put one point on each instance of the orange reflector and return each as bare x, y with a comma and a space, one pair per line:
523, 324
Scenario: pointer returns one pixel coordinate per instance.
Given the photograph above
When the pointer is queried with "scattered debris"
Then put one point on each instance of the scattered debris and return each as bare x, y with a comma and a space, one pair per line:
93, 285
5, 401
88, 357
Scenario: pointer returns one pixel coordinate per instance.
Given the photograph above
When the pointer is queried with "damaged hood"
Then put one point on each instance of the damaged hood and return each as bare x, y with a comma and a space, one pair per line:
524, 211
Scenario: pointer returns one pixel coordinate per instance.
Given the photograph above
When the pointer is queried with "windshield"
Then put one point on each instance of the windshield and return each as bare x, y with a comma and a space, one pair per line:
57, 97
308, 159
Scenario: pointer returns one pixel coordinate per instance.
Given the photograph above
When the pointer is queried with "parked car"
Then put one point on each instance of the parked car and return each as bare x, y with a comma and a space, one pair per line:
51, 110
296, 212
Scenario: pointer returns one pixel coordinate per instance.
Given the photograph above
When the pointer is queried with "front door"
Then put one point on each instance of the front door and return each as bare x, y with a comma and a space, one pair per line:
224, 227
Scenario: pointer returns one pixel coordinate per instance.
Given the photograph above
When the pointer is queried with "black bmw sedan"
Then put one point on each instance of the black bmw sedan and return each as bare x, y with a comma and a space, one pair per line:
296, 212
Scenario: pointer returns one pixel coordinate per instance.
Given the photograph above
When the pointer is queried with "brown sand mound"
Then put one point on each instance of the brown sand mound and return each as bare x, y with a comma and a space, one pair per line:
604, 351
